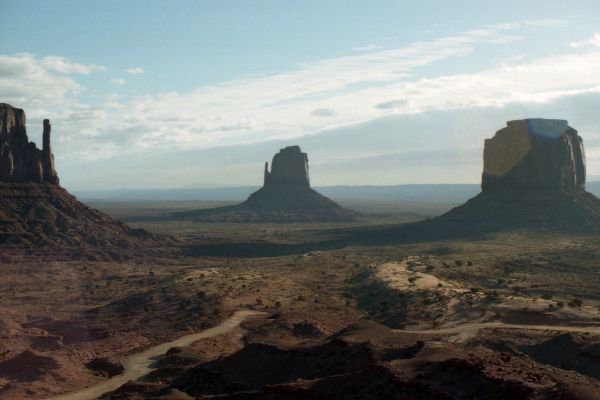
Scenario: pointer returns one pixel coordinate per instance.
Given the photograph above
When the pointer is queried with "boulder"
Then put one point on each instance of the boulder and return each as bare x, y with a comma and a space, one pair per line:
534, 154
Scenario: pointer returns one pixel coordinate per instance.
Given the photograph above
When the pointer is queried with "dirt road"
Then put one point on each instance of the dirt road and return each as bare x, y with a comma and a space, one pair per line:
139, 364
466, 331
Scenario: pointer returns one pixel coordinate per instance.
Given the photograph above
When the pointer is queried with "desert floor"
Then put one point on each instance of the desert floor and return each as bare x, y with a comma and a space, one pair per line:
512, 291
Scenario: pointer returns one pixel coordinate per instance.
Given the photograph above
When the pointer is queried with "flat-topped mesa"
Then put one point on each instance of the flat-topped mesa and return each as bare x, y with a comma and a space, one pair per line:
289, 167
20, 159
534, 154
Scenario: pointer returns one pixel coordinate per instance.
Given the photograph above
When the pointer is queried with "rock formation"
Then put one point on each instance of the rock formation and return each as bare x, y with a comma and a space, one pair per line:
285, 197
289, 167
35, 212
20, 159
533, 176
534, 154
50, 174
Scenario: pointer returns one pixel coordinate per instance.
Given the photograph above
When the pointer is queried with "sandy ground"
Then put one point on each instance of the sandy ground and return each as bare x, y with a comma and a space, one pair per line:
507, 312
398, 276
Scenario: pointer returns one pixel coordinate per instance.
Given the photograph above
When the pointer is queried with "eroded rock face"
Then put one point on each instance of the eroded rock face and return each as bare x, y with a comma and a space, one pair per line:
534, 154
289, 167
20, 159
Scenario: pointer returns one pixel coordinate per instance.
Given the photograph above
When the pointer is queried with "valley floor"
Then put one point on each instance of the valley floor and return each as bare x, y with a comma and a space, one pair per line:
509, 314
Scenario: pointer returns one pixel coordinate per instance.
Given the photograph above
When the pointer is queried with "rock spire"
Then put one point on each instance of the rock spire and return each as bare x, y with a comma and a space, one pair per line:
20, 159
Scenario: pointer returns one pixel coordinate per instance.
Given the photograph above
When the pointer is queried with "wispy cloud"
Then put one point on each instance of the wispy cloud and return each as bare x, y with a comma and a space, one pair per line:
323, 112
313, 97
368, 47
593, 41
117, 81
135, 70
65, 66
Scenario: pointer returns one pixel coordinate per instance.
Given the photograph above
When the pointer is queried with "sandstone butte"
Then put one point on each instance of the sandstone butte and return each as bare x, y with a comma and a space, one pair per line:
533, 176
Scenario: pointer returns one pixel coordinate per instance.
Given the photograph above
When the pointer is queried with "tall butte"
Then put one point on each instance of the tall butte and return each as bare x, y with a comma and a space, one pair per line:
287, 191
533, 176
36, 212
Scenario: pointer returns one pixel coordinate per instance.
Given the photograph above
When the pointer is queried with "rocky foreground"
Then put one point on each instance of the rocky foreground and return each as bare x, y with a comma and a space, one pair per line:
364, 361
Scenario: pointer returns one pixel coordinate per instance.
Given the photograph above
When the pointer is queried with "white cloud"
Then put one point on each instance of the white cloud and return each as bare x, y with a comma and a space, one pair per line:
117, 81
368, 47
135, 70
593, 41
28, 83
359, 87
64, 66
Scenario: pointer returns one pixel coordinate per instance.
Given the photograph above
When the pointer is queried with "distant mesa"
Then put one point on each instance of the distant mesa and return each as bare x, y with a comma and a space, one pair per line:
533, 175
37, 213
287, 188
534, 154
286, 196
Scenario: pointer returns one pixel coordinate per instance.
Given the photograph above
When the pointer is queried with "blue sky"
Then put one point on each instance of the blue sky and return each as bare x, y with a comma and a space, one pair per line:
201, 93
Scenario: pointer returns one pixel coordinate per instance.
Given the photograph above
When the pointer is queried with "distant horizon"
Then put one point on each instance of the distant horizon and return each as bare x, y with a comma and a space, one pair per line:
596, 180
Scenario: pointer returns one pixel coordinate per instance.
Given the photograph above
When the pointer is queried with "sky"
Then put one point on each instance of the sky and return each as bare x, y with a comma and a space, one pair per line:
167, 94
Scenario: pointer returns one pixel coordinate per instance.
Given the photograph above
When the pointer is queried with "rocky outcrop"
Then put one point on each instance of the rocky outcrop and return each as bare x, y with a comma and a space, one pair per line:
50, 174
287, 196
20, 159
534, 154
289, 167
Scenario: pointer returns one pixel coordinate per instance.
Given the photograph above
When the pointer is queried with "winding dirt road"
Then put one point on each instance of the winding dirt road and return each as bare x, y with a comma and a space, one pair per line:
469, 330
139, 364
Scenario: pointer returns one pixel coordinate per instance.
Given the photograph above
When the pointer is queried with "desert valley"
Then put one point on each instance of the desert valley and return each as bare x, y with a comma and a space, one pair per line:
299, 200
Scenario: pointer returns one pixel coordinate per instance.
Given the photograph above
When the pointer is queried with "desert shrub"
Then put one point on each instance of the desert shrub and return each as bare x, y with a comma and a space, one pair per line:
575, 303
493, 295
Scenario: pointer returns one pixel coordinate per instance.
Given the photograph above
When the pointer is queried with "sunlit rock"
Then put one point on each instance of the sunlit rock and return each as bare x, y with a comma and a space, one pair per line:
534, 154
